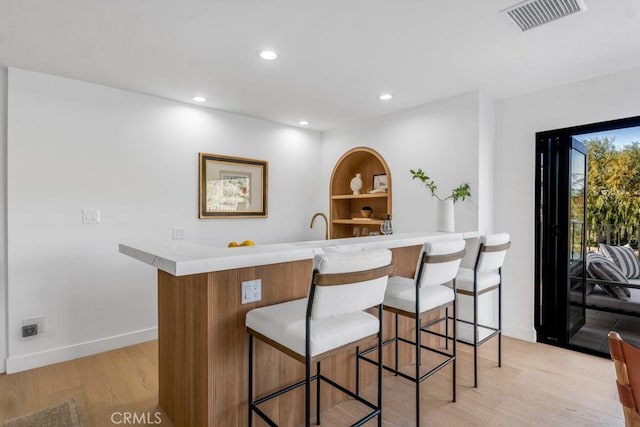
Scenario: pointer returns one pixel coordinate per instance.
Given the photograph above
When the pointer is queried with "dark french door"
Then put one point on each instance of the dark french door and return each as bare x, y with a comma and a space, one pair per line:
561, 234
561, 167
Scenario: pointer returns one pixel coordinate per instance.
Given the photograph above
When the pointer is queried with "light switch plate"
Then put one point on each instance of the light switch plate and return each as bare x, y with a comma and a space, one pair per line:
91, 216
178, 233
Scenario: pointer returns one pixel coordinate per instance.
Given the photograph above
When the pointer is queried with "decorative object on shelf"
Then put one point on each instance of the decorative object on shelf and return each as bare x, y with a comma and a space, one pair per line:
377, 191
445, 220
366, 211
386, 227
380, 182
232, 187
356, 184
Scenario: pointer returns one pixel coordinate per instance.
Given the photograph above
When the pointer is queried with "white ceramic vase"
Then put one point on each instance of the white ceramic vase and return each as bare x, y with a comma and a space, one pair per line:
445, 216
356, 184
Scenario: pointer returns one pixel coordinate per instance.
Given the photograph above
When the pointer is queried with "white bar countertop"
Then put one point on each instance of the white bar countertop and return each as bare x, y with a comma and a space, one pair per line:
182, 258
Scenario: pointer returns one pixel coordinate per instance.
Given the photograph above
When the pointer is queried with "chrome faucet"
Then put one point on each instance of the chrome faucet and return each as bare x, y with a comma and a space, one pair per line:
326, 223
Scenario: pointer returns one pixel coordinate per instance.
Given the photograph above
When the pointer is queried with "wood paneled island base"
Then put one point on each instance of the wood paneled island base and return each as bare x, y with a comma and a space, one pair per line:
203, 345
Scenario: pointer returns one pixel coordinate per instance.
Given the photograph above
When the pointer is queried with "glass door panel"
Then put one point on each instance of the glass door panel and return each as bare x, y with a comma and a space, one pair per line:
577, 234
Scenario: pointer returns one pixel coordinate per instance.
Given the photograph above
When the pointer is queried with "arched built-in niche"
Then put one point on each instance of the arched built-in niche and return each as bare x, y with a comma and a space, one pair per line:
345, 206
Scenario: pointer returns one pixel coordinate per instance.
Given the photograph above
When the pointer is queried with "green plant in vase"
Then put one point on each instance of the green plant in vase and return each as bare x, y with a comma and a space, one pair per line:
459, 193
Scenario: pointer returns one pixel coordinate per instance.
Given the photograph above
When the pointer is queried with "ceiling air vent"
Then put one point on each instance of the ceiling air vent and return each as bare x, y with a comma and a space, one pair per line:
533, 13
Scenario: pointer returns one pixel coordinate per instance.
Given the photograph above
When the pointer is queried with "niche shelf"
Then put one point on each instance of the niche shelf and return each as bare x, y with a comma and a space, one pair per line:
345, 206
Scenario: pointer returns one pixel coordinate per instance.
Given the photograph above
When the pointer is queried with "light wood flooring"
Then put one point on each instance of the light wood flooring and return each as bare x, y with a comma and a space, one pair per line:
538, 385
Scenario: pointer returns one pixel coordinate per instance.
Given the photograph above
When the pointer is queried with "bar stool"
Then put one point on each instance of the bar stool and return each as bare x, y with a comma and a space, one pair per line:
343, 285
481, 273
626, 358
426, 294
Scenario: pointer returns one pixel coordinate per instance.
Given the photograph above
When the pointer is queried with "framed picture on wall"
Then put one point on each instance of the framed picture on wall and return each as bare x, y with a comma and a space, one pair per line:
380, 182
232, 187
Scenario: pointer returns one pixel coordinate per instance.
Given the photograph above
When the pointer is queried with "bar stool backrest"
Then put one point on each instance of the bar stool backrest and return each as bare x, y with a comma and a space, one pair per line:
471, 254
492, 251
439, 262
329, 299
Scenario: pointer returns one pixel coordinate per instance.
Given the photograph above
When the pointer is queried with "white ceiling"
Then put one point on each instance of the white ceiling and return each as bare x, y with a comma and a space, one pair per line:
336, 56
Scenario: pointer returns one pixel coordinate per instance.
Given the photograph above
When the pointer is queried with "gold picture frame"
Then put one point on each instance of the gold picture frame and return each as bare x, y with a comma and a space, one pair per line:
232, 187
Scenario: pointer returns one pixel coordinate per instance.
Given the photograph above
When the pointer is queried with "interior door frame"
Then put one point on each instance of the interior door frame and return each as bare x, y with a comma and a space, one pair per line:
557, 269
554, 152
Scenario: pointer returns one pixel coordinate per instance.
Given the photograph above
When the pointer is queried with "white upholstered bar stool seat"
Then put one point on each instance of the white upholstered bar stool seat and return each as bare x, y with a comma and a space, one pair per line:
285, 324
401, 294
343, 286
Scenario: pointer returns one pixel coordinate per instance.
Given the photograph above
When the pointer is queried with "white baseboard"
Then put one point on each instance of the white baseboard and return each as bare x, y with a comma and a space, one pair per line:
520, 333
3, 365
63, 354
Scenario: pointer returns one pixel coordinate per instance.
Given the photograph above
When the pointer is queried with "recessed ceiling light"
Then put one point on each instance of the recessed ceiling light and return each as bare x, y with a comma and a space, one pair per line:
385, 97
199, 99
303, 122
268, 55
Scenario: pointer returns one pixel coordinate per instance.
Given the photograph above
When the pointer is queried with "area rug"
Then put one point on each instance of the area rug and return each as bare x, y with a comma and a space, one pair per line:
65, 414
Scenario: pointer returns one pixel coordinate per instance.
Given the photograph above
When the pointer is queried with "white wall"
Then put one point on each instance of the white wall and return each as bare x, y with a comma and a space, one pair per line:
517, 120
3, 222
486, 138
440, 137
75, 145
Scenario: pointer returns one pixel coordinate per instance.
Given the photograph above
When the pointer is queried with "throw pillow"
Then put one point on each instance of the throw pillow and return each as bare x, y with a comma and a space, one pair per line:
625, 258
601, 267
575, 275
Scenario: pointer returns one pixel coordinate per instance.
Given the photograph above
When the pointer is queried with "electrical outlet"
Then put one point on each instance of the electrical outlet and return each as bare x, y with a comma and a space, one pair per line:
178, 233
30, 330
251, 291
32, 326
